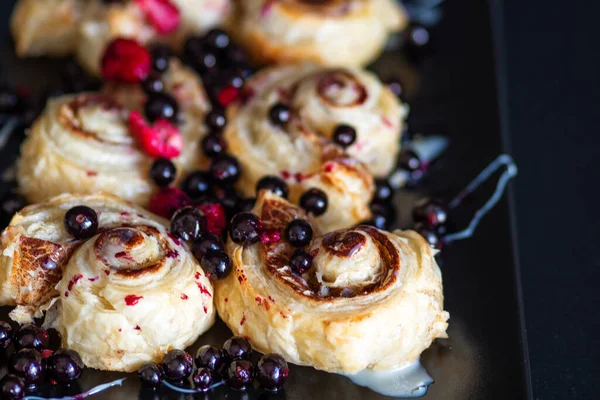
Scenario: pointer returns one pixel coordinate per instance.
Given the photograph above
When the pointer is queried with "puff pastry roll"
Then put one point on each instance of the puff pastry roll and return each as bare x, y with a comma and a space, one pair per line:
123, 297
85, 27
371, 300
329, 32
83, 143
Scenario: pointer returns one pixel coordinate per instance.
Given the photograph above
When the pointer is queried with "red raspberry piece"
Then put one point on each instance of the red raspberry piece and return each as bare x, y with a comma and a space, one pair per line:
215, 217
160, 140
125, 60
162, 14
168, 200
228, 95
269, 236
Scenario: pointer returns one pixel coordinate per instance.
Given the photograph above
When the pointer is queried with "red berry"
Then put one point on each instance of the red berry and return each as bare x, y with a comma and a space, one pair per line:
160, 140
162, 14
215, 217
125, 60
228, 95
168, 200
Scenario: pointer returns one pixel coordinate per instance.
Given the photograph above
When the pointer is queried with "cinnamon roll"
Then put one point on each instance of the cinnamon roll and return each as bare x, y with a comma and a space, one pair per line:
83, 143
371, 300
328, 32
123, 297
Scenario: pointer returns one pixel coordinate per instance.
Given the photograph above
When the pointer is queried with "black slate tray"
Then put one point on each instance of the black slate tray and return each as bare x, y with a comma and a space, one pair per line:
453, 91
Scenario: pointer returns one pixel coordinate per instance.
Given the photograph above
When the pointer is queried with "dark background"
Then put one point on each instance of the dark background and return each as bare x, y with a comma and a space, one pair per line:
549, 91
551, 97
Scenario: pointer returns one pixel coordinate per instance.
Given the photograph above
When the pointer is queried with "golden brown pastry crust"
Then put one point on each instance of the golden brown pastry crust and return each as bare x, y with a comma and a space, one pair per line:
82, 144
333, 32
121, 298
372, 299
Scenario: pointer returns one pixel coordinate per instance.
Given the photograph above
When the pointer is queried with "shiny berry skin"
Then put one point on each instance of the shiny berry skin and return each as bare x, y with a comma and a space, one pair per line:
210, 357
152, 85
298, 233
216, 264
246, 205
213, 145
417, 43
300, 261
383, 191
239, 374
383, 214
31, 336
150, 374
314, 201
279, 114
206, 242
344, 135
271, 372
408, 160
65, 366
27, 364
160, 58
168, 200
125, 60
196, 184
275, 184
203, 379
431, 212
12, 387
217, 39
81, 222
187, 223
161, 106
244, 228
177, 365
430, 234
237, 348
6, 334
163, 172
216, 120
11, 203
225, 170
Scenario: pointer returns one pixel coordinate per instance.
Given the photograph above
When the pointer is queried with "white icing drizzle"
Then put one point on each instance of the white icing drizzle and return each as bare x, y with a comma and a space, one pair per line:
410, 381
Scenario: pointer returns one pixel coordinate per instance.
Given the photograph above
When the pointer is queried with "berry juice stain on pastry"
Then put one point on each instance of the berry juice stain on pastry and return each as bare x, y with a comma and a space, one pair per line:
119, 273
333, 32
330, 300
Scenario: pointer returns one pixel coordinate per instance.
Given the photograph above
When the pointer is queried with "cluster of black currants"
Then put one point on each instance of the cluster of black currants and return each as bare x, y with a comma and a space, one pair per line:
159, 104
34, 362
232, 364
222, 64
383, 212
431, 219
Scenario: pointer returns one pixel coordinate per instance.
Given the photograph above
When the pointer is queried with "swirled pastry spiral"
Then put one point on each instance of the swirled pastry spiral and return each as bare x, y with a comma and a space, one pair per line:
85, 27
323, 98
82, 143
123, 297
372, 299
328, 32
